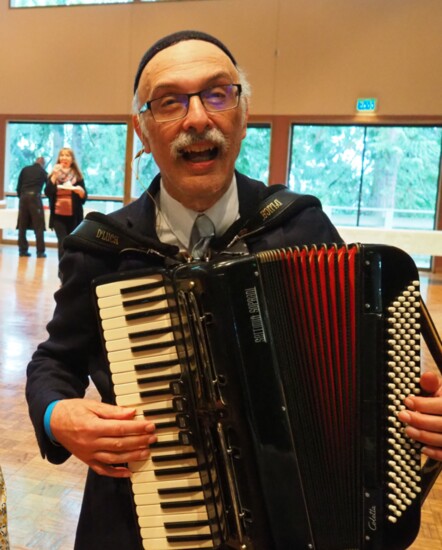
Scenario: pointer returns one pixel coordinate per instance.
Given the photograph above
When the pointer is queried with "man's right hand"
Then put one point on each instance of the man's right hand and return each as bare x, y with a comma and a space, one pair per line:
103, 436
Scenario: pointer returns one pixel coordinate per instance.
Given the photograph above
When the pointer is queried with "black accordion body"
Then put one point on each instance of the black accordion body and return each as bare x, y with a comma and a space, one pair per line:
274, 381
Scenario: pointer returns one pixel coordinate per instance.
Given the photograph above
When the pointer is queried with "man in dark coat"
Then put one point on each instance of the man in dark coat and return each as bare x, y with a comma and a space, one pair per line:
191, 106
30, 184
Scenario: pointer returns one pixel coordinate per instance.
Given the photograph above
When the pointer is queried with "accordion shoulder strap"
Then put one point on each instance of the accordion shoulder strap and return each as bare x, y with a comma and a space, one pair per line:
102, 234
278, 206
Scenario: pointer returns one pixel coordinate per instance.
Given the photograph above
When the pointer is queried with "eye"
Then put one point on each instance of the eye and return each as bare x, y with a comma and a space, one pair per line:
169, 102
217, 93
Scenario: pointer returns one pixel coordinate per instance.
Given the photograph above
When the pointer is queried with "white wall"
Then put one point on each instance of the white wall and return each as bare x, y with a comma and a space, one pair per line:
304, 57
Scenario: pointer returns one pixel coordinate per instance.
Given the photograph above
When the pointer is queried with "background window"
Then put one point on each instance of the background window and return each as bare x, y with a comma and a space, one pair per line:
370, 176
100, 150
254, 157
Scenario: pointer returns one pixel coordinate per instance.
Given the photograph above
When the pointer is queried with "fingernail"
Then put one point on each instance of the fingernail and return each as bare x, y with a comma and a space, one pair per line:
409, 403
152, 439
431, 453
150, 427
404, 417
412, 432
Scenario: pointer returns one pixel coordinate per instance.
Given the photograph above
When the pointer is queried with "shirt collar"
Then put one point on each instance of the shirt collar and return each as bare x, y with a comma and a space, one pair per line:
175, 221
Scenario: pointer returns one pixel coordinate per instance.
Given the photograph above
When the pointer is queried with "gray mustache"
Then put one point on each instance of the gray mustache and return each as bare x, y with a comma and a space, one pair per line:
187, 139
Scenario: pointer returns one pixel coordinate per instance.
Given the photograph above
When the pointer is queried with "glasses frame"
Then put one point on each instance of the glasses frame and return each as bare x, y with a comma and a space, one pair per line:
147, 106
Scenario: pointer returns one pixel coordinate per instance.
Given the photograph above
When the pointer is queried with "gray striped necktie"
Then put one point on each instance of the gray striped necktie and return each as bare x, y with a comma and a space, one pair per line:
203, 230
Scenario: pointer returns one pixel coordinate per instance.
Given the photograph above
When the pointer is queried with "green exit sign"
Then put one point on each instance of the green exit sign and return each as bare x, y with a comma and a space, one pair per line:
366, 105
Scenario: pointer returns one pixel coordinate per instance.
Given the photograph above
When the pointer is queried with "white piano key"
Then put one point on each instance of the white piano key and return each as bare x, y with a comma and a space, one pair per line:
129, 355
149, 476
149, 533
179, 462
154, 509
131, 365
133, 376
120, 311
149, 499
159, 429
132, 387
109, 289
153, 405
128, 344
127, 330
153, 487
118, 299
121, 321
158, 520
162, 544
134, 400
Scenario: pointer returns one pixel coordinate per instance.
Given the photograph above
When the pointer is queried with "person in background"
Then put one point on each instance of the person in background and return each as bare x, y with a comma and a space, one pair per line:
67, 193
190, 111
30, 209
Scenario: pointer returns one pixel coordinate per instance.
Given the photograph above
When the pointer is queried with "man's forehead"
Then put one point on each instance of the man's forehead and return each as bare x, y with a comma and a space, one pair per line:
185, 61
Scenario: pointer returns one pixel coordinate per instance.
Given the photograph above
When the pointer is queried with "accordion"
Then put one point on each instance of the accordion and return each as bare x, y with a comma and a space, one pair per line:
274, 381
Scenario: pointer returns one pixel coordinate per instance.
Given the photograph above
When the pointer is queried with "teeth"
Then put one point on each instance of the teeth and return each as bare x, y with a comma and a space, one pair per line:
197, 149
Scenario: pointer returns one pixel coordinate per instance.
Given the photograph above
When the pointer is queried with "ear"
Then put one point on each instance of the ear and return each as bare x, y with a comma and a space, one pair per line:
140, 133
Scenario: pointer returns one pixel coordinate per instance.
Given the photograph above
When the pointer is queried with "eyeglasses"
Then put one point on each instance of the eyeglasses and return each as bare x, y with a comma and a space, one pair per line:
175, 106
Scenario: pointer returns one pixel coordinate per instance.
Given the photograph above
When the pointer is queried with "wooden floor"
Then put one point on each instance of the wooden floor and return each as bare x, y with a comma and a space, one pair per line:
43, 499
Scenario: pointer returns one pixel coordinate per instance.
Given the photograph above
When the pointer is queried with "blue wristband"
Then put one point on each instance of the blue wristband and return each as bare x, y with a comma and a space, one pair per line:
47, 420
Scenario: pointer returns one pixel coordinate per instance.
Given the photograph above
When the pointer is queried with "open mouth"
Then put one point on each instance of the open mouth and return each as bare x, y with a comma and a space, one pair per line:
199, 155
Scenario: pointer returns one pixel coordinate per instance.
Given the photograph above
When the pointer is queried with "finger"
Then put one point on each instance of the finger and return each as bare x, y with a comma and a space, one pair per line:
428, 405
429, 422
432, 452
104, 410
124, 428
110, 471
122, 457
429, 382
431, 439
118, 445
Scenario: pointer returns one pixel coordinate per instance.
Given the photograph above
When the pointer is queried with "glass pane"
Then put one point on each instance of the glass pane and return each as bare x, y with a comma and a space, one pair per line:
144, 169
100, 151
400, 177
385, 177
326, 162
254, 157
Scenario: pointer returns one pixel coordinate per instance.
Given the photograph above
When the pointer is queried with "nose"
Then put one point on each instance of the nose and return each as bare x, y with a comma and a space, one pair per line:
197, 117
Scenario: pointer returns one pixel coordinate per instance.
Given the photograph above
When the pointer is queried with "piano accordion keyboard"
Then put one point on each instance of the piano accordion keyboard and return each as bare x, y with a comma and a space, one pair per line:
168, 488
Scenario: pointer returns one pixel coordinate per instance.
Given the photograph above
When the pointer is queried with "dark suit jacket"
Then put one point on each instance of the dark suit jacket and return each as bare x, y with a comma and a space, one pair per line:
62, 365
31, 179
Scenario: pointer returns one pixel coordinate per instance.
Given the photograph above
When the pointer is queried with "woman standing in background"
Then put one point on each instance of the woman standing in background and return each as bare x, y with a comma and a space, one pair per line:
67, 194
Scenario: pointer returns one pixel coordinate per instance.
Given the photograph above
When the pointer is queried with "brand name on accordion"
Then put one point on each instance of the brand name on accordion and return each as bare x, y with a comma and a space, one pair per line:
255, 316
107, 236
270, 209
372, 518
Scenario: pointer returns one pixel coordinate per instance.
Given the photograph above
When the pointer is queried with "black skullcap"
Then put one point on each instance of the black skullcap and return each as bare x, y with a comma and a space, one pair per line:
172, 39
